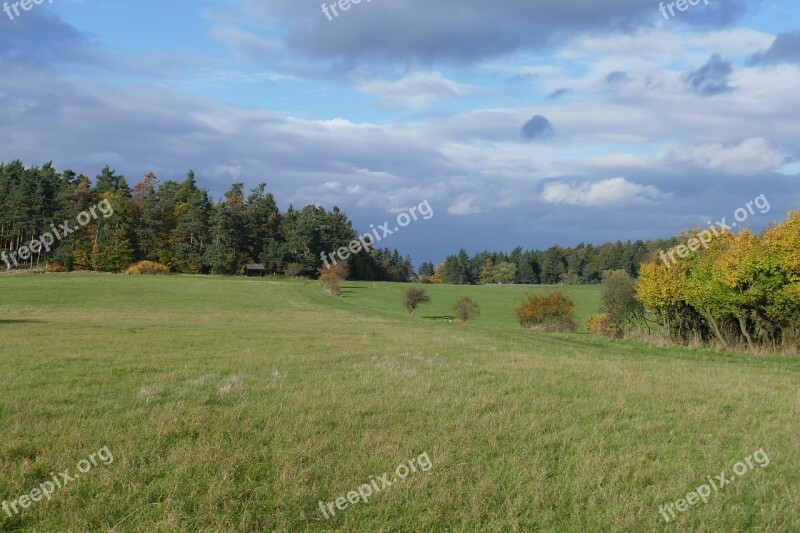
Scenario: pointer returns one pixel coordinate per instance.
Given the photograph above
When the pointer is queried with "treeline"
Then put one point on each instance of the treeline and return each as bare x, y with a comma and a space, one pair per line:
177, 224
581, 264
743, 289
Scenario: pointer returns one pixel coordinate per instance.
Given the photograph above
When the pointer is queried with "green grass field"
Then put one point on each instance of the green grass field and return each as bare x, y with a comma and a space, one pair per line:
238, 405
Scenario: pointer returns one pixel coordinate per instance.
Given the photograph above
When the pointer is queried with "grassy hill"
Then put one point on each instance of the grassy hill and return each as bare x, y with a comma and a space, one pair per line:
238, 405
497, 302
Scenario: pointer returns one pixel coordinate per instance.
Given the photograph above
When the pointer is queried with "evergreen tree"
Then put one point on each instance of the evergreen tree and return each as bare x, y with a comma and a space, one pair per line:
426, 269
190, 233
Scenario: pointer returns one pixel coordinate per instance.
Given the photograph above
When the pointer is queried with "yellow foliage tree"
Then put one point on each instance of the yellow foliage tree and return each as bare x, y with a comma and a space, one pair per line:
741, 288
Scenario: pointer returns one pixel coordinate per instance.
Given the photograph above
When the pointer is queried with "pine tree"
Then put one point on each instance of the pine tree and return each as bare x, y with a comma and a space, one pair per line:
487, 273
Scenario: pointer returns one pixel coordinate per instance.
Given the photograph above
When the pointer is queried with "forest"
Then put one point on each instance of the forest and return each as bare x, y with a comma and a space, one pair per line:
581, 264
177, 224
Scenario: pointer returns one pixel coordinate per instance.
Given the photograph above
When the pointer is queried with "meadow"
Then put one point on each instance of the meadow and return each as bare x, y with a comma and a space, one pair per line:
233, 404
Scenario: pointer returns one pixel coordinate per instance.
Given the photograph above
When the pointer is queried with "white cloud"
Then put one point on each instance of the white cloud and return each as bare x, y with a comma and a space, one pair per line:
608, 192
751, 156
416, 91
659, 43
463, 206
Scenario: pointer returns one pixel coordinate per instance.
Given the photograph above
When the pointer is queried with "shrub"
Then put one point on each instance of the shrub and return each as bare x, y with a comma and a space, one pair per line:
332, 284
619, 303
292, 270
603, 325
146, 268
80, 260
195, 267
413, 297
466, 309
55, 267
332, 277
551, 312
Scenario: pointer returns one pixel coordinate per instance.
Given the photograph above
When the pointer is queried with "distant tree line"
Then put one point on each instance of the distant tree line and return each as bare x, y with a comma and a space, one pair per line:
581, 264
179, 225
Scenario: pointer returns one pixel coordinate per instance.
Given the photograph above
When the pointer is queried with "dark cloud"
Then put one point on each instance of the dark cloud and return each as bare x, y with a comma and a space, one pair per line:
422, 32
712, 14
712, 78
784, 49
617, 77
38, 38
537, 128
558, 93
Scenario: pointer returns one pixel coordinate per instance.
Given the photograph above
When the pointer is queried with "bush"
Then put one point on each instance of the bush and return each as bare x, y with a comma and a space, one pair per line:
292, 270
146, 268
55, 268
619, 304
413, 297
466, 309
603, 325
80, 260
332, 277
551, 312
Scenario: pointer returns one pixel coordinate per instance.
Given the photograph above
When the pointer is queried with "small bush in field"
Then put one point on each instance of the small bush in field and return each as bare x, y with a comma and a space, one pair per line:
147, 268
332, 277
603, 325
466, 309
413, 297
551, 312
55, 267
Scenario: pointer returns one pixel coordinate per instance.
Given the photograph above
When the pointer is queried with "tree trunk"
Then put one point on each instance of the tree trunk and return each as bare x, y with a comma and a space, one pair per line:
715, 327
743, 327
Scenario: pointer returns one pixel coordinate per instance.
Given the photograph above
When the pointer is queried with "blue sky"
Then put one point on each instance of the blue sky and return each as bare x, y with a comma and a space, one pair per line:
521, 122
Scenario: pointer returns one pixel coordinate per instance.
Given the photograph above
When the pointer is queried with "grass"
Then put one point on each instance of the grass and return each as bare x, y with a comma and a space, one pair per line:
497, 303
237, 405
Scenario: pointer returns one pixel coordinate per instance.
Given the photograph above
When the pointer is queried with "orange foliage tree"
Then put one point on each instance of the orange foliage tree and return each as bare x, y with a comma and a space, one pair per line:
553, 311
331, 277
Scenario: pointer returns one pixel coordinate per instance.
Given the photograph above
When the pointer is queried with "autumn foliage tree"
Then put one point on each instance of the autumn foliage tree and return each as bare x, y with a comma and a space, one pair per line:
331, 277
744, 289
552, 312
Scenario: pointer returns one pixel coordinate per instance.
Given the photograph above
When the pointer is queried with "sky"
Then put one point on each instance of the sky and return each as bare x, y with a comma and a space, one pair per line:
521, 122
